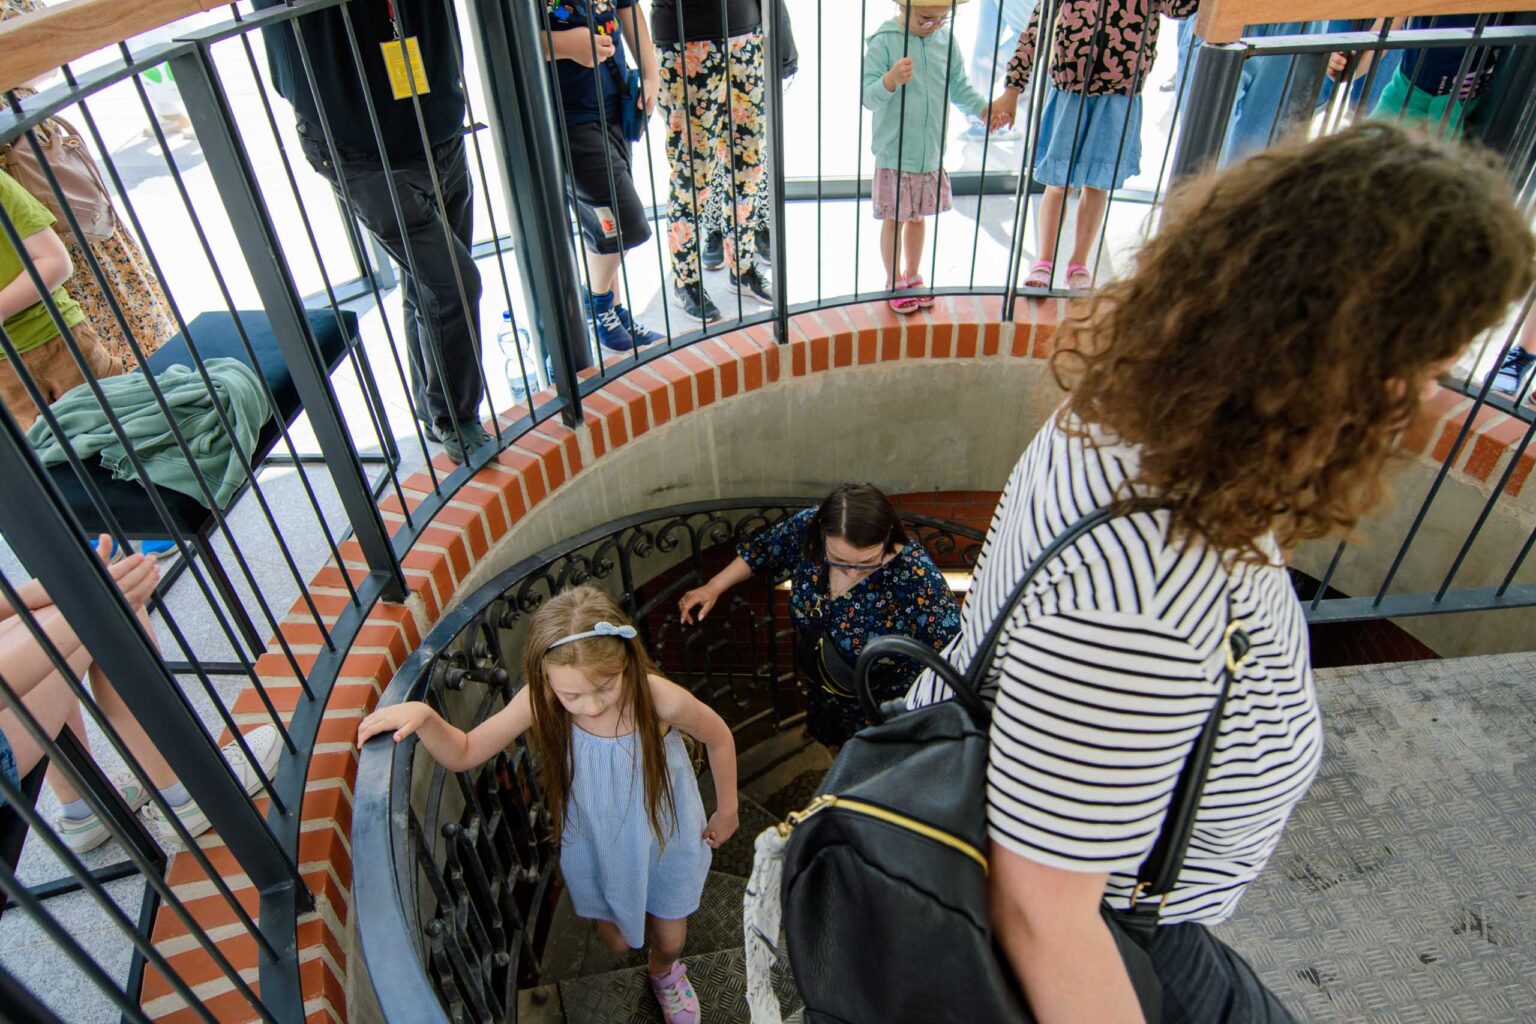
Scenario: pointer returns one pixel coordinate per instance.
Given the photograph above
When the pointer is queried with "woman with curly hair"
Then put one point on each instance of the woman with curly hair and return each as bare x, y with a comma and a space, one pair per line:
1257, 406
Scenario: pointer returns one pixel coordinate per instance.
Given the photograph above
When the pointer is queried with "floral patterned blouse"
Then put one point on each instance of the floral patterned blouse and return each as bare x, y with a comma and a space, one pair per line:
1112, 57
907, 596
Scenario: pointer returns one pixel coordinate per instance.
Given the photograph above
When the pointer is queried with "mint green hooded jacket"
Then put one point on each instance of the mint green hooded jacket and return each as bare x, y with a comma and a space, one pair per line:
935, 59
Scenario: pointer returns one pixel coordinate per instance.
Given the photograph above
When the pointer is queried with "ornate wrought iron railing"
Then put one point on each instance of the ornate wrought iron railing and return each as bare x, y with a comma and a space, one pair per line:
453, 871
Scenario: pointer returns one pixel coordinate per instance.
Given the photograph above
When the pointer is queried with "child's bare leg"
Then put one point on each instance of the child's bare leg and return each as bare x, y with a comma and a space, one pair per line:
664, 940
913, 233
1052, 205
611, 936
1090, 218
604, 268
888, 251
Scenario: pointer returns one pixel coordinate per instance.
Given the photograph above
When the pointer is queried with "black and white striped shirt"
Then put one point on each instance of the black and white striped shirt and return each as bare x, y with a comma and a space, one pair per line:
1108, 670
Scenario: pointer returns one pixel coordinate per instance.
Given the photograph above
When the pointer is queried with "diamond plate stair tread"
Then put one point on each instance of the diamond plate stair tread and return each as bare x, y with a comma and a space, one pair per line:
1404, 889
625, 997
715, 926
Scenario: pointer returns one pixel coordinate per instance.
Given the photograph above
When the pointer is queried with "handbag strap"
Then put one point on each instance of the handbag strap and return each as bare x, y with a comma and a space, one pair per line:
1159, 873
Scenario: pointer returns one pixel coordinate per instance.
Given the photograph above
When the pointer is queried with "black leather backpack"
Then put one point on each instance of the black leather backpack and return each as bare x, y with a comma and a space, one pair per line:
884, 890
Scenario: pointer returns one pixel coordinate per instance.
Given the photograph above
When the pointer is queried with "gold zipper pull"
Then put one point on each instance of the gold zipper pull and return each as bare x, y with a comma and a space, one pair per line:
796, 817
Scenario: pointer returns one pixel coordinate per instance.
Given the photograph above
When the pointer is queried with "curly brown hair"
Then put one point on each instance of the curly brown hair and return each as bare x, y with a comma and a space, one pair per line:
1277, 329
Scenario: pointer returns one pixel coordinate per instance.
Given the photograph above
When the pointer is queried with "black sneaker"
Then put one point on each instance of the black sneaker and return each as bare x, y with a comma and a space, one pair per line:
764, 247
712, 255
1514, 371
695, 301
469, 437
756, 282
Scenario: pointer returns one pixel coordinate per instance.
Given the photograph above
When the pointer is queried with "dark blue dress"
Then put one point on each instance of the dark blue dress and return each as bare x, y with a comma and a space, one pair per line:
907, 596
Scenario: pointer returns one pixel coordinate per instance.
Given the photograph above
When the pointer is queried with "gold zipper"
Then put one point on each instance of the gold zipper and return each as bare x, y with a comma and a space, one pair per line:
826, 800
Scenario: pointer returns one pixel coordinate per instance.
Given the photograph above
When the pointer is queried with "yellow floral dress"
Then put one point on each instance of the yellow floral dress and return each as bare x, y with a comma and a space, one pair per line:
123, 265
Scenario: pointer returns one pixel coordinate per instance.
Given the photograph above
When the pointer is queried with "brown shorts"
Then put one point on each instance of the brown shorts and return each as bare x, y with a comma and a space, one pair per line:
53, 372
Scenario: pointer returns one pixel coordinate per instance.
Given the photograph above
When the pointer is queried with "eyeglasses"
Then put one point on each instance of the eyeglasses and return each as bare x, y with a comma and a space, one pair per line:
852, 566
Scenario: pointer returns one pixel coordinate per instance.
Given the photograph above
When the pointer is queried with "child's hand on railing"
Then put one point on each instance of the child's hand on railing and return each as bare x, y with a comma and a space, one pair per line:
404, 719
900, 74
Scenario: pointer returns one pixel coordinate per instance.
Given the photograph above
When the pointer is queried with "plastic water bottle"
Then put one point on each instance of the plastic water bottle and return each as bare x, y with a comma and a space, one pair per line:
515, 343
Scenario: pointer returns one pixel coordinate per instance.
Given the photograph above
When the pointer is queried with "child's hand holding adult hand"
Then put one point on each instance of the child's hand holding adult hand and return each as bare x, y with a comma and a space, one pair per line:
900, 74
1003, 111
404, 719
720, 827
651, 83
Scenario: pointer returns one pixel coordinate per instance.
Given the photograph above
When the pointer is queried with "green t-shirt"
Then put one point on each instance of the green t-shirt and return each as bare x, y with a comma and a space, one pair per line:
32, 326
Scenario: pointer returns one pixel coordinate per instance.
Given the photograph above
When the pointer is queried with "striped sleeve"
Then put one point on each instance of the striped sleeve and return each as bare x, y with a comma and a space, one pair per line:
1096, 712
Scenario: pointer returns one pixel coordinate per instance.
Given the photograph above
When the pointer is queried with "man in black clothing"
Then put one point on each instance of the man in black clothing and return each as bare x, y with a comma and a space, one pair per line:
398, 203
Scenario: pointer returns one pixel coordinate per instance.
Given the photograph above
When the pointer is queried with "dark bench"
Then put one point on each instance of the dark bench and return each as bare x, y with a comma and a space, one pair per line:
214, 335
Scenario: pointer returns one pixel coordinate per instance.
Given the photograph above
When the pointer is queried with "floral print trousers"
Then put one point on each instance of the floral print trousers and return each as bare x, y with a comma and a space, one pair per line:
712, 97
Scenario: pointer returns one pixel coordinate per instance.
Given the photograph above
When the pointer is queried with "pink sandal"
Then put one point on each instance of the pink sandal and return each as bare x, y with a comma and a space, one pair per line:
1040, 274
1079, 277
903, 304
926, 300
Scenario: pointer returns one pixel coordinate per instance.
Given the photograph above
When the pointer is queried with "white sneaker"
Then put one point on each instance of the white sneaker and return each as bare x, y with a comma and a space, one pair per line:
264, 743
85, 834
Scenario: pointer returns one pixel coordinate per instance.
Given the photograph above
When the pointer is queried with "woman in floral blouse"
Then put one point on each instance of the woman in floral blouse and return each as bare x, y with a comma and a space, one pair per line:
855, 575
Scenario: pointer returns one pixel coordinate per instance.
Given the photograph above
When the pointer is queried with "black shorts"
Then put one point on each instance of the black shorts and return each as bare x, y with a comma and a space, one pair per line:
612, 218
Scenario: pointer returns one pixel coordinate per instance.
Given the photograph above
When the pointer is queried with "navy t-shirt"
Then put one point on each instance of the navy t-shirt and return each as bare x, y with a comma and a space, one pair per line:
583, 88
1435, 70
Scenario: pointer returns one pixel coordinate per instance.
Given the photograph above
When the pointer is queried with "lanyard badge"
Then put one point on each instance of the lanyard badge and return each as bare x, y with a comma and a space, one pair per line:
402, 61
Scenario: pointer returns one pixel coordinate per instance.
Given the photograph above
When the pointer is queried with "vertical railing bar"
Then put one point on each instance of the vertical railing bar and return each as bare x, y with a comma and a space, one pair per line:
1514, 567
1478, 401
496, 237
1109, 198
778, 243
986, 141
115, 739
584, 264
693, 178
355, 231
1333, 566
1181, 90
1045, 42
901, 138
1044, 70
1285, 93
858, 151
1467, 55
472, 316
67, 336
730, 147
64, 941
656, 232
1487, 510
83, 875
820, 142
938, 222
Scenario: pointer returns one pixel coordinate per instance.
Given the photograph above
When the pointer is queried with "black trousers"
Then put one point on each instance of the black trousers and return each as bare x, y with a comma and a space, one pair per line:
442, 324
1205, 982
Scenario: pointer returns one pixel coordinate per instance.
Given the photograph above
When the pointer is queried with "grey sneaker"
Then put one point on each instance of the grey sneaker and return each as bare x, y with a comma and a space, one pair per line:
469, 437
85, 834
264, 743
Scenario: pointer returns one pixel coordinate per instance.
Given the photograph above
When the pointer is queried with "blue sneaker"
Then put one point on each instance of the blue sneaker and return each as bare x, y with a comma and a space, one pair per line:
611, 332
642, 334
1514, 372
157, 548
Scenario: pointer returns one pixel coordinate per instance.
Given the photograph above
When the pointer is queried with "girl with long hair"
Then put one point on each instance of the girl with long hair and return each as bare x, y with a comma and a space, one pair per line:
606, 730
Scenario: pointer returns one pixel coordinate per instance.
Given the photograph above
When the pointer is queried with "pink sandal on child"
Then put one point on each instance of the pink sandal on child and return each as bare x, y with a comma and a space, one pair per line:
903, 304
916, 281
1079, 277
1040, 274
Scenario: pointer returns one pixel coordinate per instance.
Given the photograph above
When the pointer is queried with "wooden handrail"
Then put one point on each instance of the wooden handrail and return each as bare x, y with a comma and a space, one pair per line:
1222, 21
37, 43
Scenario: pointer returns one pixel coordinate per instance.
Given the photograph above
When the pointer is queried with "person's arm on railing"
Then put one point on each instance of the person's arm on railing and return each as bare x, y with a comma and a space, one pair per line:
50, 257
681, 709
696, 603
451, 747
1048, 922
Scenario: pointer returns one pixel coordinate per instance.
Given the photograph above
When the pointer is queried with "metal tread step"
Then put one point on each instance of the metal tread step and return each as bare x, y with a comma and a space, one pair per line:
625, 997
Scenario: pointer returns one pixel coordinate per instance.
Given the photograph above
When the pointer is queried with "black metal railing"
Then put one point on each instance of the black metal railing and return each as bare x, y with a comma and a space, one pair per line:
292, 267
452, 871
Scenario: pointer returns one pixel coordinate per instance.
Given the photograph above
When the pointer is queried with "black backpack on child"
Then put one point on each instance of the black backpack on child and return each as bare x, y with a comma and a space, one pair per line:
884, 891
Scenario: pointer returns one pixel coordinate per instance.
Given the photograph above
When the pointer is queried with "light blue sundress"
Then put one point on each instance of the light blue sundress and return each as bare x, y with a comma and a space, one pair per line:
614, 868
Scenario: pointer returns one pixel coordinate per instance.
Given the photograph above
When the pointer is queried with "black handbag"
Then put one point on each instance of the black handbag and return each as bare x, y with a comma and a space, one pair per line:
884, 891
823, 664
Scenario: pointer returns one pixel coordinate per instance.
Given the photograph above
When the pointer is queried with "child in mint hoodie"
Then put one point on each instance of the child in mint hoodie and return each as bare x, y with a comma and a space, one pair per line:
910, 66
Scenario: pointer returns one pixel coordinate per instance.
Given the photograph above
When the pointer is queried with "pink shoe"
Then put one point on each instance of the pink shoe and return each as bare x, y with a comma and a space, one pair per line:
1040, 274
916, 282
679, 1003
1079, 277
903, 304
